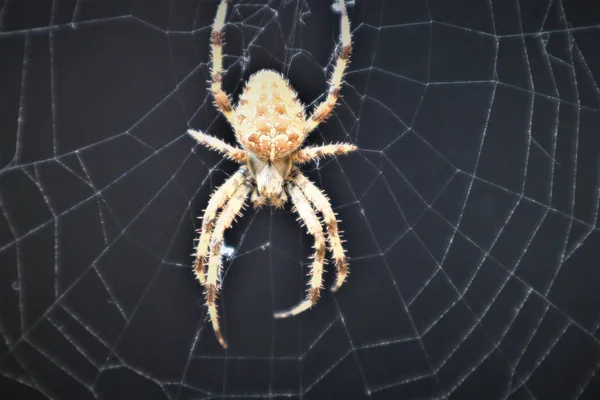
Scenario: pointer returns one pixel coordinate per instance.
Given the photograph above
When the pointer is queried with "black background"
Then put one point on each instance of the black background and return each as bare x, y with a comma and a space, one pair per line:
470, 213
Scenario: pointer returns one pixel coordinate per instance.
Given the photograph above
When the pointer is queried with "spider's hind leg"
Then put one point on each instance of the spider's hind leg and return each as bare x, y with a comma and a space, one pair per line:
216, 42
323, 110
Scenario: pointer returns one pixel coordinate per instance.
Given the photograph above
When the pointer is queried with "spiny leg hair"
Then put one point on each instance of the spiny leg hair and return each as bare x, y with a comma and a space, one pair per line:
308, 216
322, 111
321, 202
216, 42
218, 199
224, 221
211, 142
308, 154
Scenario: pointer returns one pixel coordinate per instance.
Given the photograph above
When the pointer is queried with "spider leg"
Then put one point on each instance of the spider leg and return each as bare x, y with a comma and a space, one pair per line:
308, 154
307, 214
320, 201
218, 199
211, 142
322, 111
224, 221
216, 42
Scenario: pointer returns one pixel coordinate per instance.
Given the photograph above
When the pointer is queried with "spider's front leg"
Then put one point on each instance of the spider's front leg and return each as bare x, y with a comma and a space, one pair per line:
224, 221
320, 201
308, 216
218, 199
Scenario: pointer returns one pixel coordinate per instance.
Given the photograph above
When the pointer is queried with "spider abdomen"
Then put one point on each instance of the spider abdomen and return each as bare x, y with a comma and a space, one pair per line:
269, 118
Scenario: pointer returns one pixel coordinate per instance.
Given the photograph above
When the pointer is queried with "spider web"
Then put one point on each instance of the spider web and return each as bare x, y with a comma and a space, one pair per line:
470, 213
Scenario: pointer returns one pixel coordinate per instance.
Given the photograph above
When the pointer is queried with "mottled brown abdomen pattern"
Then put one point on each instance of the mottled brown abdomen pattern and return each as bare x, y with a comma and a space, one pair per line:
269, 118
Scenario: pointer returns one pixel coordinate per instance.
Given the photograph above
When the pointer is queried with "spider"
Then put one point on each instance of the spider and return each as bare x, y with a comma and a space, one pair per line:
270, 125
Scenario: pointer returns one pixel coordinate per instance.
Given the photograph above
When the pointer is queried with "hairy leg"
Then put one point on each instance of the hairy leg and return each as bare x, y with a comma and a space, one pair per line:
308, 216
230, 211
216, 41
308, 154
218, 199
322, 111
320, 201
211, 142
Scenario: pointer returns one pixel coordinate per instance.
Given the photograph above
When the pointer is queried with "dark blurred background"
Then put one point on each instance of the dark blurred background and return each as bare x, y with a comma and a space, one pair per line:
470, 213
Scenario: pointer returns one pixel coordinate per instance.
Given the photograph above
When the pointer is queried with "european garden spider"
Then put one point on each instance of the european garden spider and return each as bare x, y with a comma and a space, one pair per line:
270, 125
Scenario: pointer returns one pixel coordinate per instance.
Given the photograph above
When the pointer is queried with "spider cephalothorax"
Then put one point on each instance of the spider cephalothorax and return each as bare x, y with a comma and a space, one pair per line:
270, 124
